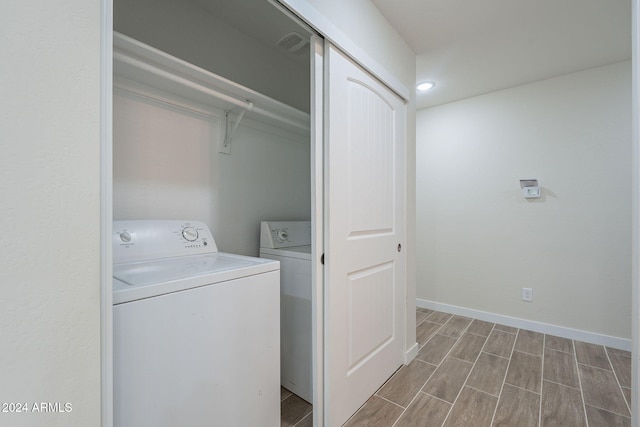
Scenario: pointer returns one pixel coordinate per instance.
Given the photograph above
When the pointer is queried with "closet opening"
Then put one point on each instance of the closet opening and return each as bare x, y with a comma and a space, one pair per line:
211, 123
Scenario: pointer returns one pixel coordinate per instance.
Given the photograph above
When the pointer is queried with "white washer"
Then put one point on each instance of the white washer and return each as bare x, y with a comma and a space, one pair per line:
290, 243
195, 331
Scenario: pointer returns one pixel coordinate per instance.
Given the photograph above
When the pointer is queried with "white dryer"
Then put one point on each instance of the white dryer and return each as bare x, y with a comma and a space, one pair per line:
195, 331
290, 243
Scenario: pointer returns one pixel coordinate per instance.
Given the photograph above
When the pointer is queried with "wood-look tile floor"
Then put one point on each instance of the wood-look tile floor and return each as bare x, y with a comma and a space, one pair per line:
294, 411
479, 374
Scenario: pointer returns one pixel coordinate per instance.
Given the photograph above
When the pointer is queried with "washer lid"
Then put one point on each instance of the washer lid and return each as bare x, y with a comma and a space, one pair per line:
169, 269
144, 279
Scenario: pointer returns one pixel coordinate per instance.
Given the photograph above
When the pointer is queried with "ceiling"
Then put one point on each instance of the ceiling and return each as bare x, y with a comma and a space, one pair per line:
471, 47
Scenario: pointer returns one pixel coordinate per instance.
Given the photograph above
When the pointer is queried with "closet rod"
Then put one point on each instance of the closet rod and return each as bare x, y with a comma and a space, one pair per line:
118, 56
181, 80
275, 116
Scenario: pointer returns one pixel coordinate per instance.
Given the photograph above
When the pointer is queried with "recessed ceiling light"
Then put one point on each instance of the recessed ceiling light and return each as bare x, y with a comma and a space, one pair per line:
425, 86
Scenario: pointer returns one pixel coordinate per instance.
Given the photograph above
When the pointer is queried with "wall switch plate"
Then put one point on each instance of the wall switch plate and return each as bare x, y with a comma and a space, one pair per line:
531, 192
527, 294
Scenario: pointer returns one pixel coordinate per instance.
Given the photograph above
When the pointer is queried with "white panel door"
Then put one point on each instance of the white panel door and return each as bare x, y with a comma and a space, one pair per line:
365, 264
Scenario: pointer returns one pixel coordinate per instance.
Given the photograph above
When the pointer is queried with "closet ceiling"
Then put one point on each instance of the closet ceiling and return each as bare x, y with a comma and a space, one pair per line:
259, 20
471, 47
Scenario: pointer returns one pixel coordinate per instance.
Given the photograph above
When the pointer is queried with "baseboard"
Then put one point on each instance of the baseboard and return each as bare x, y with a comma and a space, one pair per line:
531, 325
411, 354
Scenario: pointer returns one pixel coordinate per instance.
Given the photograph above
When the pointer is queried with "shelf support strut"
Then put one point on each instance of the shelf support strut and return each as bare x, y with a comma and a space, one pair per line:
227, 123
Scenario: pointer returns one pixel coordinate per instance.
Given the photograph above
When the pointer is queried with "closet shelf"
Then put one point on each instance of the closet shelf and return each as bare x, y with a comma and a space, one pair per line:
137, 62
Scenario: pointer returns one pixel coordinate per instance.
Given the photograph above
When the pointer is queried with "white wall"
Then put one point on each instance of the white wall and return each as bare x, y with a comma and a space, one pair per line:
50, 211
190, 32
480, 241
167, 166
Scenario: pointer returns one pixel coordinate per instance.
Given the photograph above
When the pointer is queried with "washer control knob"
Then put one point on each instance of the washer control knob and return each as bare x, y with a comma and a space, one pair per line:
283, 235
190, 234
125, 236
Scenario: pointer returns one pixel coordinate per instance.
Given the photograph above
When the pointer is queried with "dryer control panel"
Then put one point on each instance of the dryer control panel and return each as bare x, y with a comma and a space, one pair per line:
284, 234
139, 240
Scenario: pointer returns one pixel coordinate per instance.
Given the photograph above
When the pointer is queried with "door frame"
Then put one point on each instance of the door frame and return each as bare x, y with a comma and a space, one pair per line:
306, 14
106, 213
635, 216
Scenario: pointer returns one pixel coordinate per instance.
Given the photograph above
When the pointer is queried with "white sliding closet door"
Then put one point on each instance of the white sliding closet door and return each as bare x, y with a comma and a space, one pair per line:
364, 231
317, 212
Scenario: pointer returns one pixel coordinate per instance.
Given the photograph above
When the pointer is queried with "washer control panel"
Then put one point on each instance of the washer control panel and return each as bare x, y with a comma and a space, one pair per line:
284, 234
139, 240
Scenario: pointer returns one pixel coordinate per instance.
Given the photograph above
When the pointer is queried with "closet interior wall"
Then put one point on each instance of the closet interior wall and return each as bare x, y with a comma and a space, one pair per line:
165, 153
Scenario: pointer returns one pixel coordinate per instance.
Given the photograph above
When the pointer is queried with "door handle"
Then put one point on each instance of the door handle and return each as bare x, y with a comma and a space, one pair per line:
399, 247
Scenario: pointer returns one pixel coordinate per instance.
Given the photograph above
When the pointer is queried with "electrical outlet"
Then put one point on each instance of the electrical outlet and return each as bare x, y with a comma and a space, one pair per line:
527, 294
